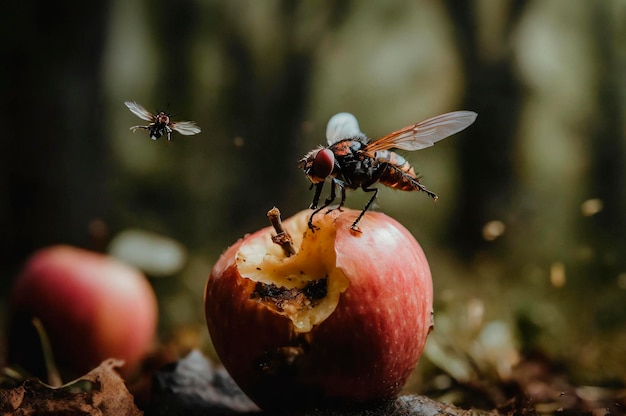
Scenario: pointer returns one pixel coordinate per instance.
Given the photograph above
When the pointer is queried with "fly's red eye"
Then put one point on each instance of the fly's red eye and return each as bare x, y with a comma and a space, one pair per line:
323, 163
163, 118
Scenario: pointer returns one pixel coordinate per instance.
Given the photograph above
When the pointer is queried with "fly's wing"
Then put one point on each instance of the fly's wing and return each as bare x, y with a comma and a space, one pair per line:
343, 126
425, 133
186, 128
139, 111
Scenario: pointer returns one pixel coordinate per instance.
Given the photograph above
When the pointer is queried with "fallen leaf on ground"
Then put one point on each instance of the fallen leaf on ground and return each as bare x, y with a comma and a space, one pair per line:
99, 392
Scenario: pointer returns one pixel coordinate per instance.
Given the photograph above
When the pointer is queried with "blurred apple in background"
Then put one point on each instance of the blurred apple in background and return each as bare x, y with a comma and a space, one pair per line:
342, 321
92, 307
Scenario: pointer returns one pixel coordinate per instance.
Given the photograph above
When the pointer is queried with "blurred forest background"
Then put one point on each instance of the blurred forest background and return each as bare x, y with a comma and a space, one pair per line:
527, 243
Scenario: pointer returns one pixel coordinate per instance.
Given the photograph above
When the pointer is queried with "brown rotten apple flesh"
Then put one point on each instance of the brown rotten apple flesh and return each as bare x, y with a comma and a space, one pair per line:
342, 321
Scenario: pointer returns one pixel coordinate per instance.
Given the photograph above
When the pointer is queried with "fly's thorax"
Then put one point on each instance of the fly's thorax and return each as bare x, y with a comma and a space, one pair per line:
347, 147
355, 168
162, 118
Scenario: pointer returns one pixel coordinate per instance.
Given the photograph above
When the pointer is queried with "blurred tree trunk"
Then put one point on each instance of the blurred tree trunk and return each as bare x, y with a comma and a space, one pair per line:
608, 144
485, 162
53, 154
174, 28
268, 110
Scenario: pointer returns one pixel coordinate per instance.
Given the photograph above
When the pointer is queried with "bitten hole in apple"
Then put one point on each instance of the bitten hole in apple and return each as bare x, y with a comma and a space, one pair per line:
304, 286
292, 300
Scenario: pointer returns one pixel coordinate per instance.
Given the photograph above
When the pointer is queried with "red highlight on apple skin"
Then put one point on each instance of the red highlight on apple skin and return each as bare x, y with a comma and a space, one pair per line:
289, 344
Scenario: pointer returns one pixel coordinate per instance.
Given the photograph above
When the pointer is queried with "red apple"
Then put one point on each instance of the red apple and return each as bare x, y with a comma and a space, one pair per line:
91, 306
342, 321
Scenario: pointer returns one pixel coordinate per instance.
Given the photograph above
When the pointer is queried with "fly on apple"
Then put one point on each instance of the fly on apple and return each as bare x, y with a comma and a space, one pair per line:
351, 161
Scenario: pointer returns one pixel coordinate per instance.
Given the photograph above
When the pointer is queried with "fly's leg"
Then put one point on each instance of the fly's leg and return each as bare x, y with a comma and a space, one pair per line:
404, 178
316, 200
418, 186
316, 196
139, 127
332, 196
354, 226
343, 196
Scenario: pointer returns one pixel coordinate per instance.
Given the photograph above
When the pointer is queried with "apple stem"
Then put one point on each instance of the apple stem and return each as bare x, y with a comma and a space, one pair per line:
282, 237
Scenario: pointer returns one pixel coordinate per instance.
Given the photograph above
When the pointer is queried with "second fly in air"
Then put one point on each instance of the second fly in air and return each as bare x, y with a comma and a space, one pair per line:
161, 123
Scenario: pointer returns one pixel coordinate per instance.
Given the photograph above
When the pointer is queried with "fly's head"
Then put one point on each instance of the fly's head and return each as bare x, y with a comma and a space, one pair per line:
318, 164
162, 118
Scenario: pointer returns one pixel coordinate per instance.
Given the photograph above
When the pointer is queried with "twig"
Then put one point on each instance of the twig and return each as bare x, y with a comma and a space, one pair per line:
282, 237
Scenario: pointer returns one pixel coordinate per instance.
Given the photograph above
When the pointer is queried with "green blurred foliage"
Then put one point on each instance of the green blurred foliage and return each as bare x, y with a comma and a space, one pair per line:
530, 228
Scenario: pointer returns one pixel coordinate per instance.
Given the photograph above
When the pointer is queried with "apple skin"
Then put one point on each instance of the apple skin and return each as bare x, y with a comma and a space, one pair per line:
362, 352
91, 306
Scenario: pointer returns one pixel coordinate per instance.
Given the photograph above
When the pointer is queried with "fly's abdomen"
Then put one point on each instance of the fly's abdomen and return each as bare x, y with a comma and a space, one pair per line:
398, 173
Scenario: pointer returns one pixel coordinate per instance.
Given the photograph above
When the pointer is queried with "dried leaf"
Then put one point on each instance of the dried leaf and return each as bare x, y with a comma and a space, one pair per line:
99, 392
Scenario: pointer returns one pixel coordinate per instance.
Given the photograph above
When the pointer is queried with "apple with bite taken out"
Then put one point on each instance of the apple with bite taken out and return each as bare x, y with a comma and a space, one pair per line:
91, 307
321, 317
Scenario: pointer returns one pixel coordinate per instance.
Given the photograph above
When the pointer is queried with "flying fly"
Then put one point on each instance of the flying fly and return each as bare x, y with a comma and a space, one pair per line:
351, 161
161, 123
